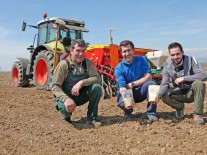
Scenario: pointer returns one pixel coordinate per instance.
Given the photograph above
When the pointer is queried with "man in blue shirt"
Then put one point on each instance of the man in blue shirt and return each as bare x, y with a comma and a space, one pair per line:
134, 73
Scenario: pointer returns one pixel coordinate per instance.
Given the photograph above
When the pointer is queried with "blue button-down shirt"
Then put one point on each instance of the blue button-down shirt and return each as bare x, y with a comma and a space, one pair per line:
129, 72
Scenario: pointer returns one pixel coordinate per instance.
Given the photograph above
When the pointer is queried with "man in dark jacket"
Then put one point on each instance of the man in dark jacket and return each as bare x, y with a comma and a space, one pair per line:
187, 77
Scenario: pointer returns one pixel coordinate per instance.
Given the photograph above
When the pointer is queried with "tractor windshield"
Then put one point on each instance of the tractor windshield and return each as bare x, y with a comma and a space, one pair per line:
64, 32
47, 33
73, 34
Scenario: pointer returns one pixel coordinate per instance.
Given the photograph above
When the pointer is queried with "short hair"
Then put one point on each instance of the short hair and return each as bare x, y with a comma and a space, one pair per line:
125, 43
174, 45
80, 42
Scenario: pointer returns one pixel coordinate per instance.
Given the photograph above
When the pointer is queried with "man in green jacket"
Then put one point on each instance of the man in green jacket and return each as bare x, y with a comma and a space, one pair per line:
76, 82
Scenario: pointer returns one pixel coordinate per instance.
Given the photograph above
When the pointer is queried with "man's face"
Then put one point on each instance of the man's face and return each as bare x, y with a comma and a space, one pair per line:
127, 53
78, 53
176, 55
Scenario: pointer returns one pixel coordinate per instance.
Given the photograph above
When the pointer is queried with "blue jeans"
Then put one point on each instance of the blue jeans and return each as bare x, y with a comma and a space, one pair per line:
140, 93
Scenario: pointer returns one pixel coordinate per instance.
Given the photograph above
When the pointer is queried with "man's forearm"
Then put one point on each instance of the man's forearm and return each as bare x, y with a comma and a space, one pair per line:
143, 80
57, 91
91, 80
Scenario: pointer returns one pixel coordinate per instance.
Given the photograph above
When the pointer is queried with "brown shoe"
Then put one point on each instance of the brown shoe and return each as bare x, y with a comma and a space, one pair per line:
198, 119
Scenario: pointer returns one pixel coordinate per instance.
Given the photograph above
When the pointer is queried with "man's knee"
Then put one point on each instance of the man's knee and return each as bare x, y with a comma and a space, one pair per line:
151, 83
198, 84
166, 97
169, 100
146, 85
97, 87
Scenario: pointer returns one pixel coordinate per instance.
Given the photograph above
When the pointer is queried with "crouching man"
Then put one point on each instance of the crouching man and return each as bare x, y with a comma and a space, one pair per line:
134, 73
76, 82
187, 77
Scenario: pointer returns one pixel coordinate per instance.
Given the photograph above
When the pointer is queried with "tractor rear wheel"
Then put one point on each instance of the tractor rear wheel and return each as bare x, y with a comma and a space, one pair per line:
110, 91
106, 87
18, 76
42, 68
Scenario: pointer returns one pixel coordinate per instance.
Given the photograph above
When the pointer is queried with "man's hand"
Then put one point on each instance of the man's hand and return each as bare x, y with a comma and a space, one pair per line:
179, 80
76, 88
69, 105
157, 100
122, 89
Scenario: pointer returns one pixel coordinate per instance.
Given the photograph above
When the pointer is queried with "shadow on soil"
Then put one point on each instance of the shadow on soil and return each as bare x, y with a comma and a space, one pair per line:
141, 118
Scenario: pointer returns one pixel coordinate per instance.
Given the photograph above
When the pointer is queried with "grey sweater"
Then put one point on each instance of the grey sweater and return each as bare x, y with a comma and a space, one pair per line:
192, 71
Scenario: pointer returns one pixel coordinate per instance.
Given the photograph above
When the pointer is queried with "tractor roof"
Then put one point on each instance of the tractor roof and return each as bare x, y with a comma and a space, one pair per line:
70, 24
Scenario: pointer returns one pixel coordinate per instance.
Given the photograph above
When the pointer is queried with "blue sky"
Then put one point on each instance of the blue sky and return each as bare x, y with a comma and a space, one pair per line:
148, 23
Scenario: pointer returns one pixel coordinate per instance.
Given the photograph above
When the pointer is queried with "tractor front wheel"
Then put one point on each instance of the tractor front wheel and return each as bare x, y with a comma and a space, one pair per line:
43, 70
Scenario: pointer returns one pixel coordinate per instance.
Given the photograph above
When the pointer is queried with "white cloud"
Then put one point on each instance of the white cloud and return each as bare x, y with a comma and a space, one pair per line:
199, 53
196, 51
183, 32
9, 51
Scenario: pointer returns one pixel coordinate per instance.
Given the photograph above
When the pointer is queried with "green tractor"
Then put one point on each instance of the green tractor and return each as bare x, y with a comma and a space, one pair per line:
53, 44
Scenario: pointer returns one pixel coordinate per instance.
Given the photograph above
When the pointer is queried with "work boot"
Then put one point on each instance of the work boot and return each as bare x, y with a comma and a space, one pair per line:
152, 118
198, 119
180, 113
68, 120
95, 122
128, 114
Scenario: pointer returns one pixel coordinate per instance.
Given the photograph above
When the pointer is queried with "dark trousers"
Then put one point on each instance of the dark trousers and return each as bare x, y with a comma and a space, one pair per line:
195, 94
140, 93
90, 93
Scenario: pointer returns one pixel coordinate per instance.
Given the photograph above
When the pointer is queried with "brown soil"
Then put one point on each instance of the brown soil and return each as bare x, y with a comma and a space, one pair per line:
30, 124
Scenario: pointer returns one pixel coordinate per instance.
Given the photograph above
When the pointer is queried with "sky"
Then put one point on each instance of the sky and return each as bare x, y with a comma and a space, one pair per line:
150, 24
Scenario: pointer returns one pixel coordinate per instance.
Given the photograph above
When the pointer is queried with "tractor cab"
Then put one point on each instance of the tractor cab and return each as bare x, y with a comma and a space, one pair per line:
68, 30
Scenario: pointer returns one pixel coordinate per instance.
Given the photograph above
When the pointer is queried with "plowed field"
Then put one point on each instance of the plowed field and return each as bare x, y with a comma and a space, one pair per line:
30, 124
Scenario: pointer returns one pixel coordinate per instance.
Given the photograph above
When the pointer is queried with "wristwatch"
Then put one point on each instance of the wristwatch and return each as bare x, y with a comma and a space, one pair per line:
133, 85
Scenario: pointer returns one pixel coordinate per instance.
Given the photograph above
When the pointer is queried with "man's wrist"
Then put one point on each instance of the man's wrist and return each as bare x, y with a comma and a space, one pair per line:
133, 84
